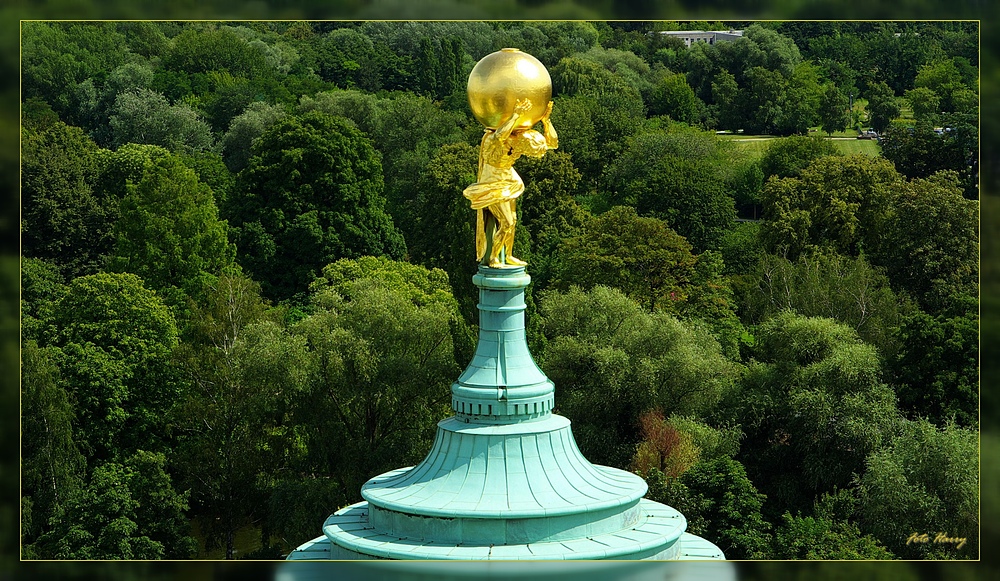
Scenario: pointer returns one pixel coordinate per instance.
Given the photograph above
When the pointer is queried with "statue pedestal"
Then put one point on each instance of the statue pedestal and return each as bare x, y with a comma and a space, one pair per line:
504, 478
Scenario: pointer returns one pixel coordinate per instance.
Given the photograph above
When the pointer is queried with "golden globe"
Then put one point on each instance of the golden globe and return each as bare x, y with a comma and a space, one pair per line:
500, 79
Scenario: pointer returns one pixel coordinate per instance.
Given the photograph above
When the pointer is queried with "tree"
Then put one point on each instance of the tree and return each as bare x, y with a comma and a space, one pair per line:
882, 106
145, 38
549, 211
42, 285
813, 406
837, 203
349, 59
382, 341
848, 290
672, 446
808, 537
833, 113
937, 367
145, 116
408, 130
922, 152
721, 503
53, 468
741, 250
312, 193
678, 177
745, 183
60, 56
932, 242
244, 129
801, 100
925, 104
169, 233
444, 230
128, 510
761, 101
786, 158
64, 218
942, 79
642, 257
725, 95
612, 109
925, 482
612, 362
762, 47
116, 338
672, 96
210, 48
242, 372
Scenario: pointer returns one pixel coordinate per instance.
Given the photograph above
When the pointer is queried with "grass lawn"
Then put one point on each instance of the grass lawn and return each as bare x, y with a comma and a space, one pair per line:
864, 146
753, 148
755, 145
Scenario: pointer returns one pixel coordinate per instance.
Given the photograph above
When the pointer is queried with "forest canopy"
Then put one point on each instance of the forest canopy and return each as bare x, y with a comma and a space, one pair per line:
246, 274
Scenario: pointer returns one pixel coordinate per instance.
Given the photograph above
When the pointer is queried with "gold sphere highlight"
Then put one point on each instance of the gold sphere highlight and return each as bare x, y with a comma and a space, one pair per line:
499, 79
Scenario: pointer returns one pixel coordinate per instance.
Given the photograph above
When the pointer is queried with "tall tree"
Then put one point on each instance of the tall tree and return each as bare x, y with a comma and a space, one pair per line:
64, 217
848, 290
721, 503
145, 116
642, 257
833, 110
837, 203
53, 468
244, 129
937, 368
128, 510
932, 243
549, 211
808, 537
925, 482
672, 96
408, 130
921, 152
116, 339
312, 193
801, 100
169, 232
241, 371
813, 406
882, 106
612, 362
786, 158
383, 342
445, 225
679, 177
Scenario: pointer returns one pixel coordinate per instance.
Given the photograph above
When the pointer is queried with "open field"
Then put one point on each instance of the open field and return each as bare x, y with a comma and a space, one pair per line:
852, 146
755, 145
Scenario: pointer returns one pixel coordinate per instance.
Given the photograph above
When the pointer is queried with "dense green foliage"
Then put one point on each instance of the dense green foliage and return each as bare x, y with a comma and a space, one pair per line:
311, 193
613, 362
838, 205
246, 283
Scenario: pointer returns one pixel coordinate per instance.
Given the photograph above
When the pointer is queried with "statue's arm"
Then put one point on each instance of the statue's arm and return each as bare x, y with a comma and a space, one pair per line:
551, 138
521, 107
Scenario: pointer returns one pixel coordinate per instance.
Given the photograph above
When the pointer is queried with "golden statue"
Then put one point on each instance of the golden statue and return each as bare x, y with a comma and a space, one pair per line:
507, 90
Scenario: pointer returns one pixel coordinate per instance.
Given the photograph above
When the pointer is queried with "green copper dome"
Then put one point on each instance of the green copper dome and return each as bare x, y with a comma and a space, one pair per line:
504, 478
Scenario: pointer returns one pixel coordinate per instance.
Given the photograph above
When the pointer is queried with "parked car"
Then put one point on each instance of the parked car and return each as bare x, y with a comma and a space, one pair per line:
870, 134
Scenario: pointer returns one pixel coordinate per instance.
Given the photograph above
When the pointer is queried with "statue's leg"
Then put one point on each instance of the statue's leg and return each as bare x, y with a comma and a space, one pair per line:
504, 238
499, 235
490, 229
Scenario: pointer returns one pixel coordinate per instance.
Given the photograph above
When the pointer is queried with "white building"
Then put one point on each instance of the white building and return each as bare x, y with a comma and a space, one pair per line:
711, 36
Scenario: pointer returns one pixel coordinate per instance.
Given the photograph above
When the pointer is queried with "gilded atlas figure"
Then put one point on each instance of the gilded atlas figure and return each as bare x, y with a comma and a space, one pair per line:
509, 93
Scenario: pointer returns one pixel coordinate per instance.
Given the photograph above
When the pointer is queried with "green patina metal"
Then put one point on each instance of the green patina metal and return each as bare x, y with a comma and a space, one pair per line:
504, 478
